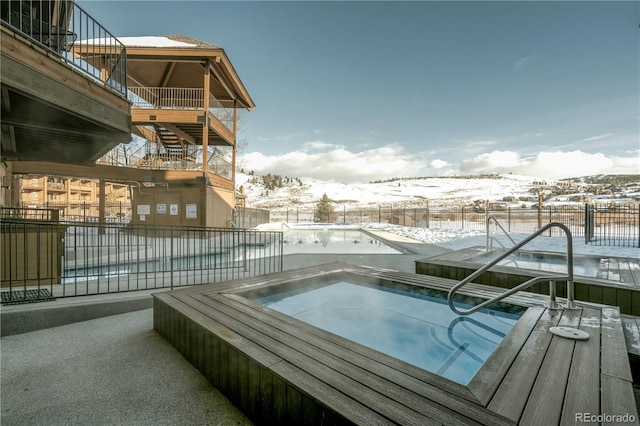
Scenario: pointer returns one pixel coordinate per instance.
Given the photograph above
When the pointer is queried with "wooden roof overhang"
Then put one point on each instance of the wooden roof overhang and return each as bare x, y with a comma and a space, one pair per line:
183, 67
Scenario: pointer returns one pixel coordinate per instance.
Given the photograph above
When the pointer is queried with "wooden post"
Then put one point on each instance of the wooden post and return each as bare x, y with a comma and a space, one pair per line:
205, 110
539, 210
235, 139
203, 213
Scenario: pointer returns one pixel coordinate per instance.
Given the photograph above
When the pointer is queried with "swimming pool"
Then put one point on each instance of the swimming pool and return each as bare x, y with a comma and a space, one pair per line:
411, 326
586, 266
333, 240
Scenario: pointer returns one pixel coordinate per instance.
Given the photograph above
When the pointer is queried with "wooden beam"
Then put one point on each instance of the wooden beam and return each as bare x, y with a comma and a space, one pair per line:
180, 133
84, 133
145, 133
150, 116
163, 59
115, 173
223, 81
6, 101
8, 138
168, 72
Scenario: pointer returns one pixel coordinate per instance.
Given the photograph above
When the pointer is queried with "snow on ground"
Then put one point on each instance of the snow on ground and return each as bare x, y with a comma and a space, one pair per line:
414, 191
458, 239
438, 191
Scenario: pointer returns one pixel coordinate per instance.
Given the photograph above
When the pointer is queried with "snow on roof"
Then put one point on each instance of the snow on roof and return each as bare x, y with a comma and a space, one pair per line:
153, 41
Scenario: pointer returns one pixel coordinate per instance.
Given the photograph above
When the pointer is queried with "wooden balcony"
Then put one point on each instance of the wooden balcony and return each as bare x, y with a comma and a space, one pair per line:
56, 107
182, 112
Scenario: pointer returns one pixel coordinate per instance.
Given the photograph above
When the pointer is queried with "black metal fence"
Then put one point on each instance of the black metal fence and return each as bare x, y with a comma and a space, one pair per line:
46, 259
612, 226
604, 226
79, 211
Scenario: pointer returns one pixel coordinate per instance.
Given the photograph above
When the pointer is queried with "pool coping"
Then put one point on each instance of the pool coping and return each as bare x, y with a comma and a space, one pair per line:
257, 357
453, 265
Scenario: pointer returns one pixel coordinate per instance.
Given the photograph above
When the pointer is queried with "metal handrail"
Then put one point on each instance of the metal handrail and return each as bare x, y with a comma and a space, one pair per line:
489, 219
526, 284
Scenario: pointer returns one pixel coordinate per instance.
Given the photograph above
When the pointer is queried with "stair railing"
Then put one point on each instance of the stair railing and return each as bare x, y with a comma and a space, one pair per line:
552, 278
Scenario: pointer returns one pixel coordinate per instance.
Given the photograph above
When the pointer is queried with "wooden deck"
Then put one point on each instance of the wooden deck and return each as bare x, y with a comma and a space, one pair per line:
279, 370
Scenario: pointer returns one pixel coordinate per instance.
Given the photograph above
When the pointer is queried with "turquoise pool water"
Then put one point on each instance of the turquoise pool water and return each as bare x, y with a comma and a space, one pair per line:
415, 328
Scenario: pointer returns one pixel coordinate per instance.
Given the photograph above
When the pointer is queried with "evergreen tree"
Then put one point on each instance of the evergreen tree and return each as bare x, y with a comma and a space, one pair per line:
324, 210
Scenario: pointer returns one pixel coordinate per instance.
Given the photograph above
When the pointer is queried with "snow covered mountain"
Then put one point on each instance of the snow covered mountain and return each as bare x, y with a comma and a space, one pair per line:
275, 192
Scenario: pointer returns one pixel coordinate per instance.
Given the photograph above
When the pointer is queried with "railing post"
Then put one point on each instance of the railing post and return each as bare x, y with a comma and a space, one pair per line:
462, 217
553, 304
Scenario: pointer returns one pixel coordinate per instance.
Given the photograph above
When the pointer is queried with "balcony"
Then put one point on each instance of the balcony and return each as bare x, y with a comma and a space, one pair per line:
56, 186
50, 93
149, 155
182, 107
57, 26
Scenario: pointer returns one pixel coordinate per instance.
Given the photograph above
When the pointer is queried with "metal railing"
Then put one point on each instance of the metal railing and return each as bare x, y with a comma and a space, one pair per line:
617, 225
70, 33
600, 225
551, 278
166, 97
490, 239
32, 213
64, 259
150, 155
179, 98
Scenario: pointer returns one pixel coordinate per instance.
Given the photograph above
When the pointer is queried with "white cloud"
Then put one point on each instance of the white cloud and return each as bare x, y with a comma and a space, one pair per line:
334, 162
338, 164
319, 146
439, 164
555, 165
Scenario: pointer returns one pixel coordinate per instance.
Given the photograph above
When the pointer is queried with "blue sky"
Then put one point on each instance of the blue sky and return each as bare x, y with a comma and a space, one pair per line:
359, 91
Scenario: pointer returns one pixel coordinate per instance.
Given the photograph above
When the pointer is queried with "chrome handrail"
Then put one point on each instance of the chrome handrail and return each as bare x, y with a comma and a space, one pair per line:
489, 219
552, 278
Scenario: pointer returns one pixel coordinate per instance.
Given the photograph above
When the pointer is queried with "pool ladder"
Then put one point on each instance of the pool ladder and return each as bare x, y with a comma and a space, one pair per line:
490, 240
553, 304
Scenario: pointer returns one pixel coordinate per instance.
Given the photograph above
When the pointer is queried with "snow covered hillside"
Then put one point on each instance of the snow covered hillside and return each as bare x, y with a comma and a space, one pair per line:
274, 192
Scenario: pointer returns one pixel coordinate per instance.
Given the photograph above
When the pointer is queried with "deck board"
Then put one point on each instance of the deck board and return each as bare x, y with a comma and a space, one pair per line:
299, 353
484, 384
551, 381
280, 370
299, 348
582, 394
513, 393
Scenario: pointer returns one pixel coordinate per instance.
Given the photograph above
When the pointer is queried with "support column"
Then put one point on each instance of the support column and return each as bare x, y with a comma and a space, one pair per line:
205, 145
101, 208
205, 107
235, 140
